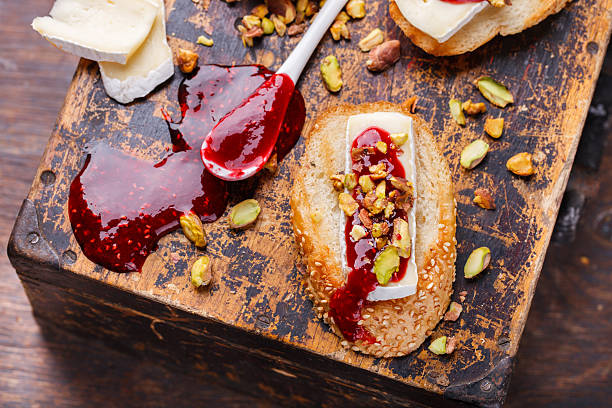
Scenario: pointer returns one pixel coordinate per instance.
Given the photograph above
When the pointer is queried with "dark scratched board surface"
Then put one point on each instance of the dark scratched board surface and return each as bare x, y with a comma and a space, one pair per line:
551, 70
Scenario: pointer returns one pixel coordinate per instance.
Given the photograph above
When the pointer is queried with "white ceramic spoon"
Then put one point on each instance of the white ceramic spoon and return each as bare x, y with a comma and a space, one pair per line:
241, 143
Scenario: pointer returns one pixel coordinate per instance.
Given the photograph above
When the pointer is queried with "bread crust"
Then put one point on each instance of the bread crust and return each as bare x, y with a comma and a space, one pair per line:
399, 325
478, 32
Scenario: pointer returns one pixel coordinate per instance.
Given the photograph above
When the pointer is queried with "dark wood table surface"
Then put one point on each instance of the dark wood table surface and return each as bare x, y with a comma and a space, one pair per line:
565, 357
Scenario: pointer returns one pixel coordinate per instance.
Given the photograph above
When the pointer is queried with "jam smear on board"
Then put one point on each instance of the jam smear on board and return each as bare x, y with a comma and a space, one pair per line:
243, 140
347, 302
120, 205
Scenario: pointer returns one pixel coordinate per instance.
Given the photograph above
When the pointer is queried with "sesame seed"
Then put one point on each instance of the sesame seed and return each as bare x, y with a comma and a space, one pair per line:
355, 348
430, 285
366, 316
317, 263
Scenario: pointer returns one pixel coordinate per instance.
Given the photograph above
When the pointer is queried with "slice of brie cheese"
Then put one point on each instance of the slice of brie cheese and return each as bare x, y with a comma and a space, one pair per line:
99, 30
150, 65
439, 19
392, 122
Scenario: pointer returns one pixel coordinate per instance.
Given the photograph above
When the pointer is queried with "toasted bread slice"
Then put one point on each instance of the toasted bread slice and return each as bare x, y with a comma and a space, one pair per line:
507, 20
399, 325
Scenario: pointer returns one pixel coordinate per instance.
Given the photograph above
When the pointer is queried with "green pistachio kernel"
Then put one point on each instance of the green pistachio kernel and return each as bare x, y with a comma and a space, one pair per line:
386, 264
473, 154
477, 262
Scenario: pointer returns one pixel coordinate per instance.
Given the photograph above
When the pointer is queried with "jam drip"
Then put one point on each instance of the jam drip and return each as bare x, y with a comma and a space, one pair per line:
347, 302
120, 206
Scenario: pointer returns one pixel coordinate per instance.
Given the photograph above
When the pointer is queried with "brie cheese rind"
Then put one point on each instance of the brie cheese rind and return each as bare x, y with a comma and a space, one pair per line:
150, 65
99, 30
392, 122
439, 19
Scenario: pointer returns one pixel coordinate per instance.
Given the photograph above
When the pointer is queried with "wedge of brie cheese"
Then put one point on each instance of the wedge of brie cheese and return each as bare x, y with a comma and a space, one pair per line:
392, 122
439, 19
150, 65
100, 30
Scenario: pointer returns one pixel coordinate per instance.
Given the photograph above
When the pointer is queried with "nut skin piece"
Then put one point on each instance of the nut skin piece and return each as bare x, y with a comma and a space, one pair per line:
494, 92
494, 127
192, 228
473, 154
456, 109
331, 73
244, 214
347, 204
477, 262
187, 60
451, 343
484, 199
201, 272
521, 164
374, 38
356, 8
295, 29
383, 56
473, 108
454, 310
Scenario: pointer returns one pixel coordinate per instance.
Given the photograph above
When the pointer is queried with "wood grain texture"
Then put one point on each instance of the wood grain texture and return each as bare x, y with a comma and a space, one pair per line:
435, 111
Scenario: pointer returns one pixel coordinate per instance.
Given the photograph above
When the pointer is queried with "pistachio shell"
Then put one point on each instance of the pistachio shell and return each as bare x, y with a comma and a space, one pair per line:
201, 273
494, 92
385, 264
192, 228
473, 154
244, 213
438, 346
457, 111
477, 262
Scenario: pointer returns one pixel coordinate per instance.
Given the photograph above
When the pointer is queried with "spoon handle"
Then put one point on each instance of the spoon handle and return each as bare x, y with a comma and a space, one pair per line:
298, 58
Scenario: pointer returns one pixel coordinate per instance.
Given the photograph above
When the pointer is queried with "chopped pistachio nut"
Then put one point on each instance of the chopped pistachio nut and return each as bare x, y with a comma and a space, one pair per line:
378, 229
399, 138
457, 111
477, 262
321, 3
498, 3
484, 199
201, 273
267, 25
381, 146
331, 73
473, 154
386, 264
350, 181
192, 228
494, 92
358, 232
473, 108
244, 214
187, 60
379, 171
374, 38
379, 205
438, 346
337, 181
389, 209
311, 9
301, 5
347, 204
401, 237
381, 242
453, 312
208, 42
342, 16
250, 21
366, 183
339, 29
520, 164
494, 127
279, 25
381, 189
260, 11
356, 8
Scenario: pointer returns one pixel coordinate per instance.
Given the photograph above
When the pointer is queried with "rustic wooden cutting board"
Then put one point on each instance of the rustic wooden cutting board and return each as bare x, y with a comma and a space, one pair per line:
255, 324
